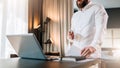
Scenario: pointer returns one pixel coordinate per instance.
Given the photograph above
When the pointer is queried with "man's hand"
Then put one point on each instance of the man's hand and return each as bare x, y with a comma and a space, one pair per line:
87, 51
71, 35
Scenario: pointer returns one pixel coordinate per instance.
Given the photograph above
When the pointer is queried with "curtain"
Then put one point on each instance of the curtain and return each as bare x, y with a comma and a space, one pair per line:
13, 20
60, 12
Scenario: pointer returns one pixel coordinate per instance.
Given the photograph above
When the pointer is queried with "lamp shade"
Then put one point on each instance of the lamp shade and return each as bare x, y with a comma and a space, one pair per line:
47, 20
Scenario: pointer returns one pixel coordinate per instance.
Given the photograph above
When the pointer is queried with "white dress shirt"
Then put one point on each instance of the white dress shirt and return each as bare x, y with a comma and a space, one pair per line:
88, 25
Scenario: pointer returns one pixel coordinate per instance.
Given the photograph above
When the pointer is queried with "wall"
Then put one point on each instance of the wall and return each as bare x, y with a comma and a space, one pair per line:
114, 17
109, 3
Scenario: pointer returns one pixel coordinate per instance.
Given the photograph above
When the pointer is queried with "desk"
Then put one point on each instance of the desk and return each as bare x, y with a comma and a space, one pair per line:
111, 63
28, 63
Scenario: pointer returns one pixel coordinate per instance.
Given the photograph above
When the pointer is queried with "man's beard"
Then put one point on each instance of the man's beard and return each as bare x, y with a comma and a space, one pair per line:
85, 2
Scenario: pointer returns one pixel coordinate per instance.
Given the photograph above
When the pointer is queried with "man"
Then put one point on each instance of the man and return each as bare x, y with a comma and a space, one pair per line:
87, 28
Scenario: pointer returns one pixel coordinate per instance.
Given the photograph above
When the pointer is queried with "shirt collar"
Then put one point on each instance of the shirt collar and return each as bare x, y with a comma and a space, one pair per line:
87, 6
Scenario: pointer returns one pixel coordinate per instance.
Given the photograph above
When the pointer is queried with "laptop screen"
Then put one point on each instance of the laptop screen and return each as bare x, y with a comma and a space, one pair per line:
26, 46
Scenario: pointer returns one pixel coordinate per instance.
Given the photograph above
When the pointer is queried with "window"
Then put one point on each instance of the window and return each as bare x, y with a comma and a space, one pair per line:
112, 38
13, 20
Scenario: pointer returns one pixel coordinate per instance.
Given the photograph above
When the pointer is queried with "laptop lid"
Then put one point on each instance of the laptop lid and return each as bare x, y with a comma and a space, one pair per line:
26, 46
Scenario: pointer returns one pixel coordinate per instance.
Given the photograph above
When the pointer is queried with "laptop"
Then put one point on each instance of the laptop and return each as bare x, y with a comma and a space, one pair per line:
27, 46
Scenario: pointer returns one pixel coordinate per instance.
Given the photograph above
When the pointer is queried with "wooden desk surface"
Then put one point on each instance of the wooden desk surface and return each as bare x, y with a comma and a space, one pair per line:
27, 63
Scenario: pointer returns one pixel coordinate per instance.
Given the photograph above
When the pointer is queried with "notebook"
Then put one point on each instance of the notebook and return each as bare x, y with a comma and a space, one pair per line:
27, 46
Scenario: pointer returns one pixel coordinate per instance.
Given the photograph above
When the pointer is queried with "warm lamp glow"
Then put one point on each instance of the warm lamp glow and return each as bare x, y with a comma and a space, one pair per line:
35, 23
37, 27
51, 40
